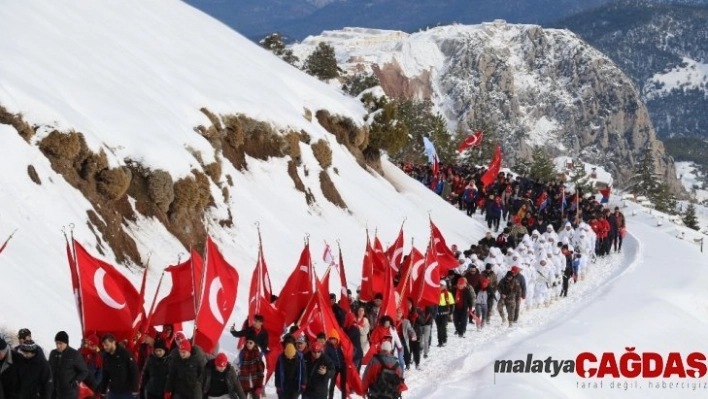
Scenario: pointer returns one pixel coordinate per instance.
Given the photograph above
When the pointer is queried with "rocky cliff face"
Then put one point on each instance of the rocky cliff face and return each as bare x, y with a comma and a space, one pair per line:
534, 86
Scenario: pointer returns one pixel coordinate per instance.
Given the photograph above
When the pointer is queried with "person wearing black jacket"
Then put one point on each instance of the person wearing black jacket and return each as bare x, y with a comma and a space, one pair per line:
568, 271
320, 369
290, 373
256, 330
152, 385
464, 303
184, 381
68, 368
221, 379
120, 372
354, 335
35, 376
9, 379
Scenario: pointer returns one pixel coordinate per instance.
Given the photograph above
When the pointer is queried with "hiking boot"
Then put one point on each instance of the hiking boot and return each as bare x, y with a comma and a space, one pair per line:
510, 323
417, 367
440, 345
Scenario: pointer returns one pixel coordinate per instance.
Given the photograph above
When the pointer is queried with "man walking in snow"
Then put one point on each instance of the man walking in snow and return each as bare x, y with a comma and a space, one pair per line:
509, 290
68, 368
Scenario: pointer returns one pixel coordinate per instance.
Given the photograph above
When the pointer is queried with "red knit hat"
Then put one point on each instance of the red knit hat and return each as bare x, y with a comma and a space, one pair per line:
221, 360
185, 345
515, 269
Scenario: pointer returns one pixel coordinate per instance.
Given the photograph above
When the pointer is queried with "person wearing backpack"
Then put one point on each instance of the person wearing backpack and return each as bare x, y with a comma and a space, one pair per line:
383, 378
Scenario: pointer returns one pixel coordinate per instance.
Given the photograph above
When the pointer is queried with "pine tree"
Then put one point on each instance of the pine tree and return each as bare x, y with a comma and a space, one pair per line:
275, 43
354, 85
689, 217
578, 176
663, 199
420, 121
387, 132
645, 180
322, 63
542, 168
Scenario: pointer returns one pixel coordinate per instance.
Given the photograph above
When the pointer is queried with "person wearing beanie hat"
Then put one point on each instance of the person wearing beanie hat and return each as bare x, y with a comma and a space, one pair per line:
301, 344
522, 295
221, 379
334, 351
186, 372
68, 367
464, 303
35, 375
290, 373
320, 370
383, 361
155, 371
91, 353
120, 371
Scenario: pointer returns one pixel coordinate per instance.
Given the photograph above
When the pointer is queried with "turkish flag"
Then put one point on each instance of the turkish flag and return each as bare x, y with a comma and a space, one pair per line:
372, 280
180, 304
344, 298
446, 259
390, 301
318, 317
491, 174
379, 259
109, 301
472, 141
394, 253
298, 289
411, 268
259, 304
217, 299
427, 285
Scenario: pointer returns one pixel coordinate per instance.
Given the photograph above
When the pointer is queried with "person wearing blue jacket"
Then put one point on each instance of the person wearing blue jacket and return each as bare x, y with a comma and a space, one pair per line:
290, 373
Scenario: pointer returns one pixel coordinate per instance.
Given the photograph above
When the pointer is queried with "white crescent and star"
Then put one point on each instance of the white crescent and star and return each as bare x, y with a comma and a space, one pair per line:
428, 275
98, 282
396, 258
416, 269
214, 289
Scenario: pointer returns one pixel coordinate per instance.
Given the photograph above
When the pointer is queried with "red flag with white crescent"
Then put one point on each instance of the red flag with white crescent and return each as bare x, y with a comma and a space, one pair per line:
394, 253
472, 141
427, 285
109, 301
179, 304
493, 169
445, 258
218, 297
298, 289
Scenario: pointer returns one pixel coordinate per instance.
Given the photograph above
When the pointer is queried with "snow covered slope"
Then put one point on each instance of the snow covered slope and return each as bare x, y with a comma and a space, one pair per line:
132, 76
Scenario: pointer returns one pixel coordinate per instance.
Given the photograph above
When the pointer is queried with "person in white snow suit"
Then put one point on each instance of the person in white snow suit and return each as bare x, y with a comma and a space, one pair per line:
544, 282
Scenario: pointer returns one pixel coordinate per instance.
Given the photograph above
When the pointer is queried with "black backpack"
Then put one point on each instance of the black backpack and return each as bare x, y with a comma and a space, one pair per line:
386, 386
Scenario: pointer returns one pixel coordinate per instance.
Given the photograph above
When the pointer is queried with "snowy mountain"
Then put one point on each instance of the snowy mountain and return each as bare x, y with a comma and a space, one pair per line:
101, 131
299, 18
661, 47
534, 86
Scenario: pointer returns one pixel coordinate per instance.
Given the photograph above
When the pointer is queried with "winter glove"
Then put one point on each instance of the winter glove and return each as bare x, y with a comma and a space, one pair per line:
302, 387
168, 395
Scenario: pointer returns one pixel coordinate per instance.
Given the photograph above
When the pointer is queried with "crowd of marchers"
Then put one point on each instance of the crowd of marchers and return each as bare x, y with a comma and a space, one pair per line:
549, 239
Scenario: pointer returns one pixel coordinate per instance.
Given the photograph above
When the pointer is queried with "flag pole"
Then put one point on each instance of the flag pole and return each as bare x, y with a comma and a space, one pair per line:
9, 238
154, 298
74, 272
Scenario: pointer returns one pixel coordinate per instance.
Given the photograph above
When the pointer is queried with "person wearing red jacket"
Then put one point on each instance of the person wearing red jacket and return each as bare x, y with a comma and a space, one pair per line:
378, 371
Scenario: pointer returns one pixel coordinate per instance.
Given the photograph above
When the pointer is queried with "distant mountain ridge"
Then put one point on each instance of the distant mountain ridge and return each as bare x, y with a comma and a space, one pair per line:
298, 19
663, 48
